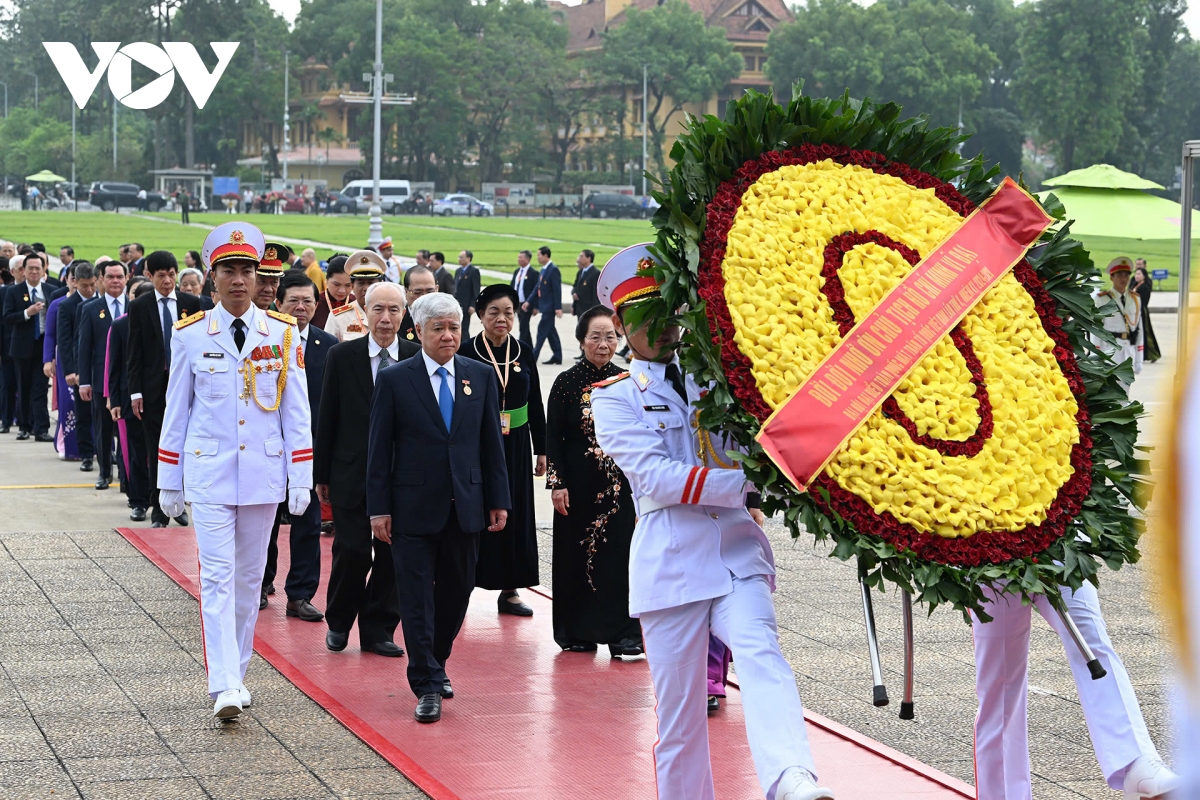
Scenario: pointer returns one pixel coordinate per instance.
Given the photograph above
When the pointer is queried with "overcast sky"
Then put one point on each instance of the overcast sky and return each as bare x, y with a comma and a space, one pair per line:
290, 8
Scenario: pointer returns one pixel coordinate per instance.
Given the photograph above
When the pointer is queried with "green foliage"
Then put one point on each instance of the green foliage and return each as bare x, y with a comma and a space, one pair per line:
707, 155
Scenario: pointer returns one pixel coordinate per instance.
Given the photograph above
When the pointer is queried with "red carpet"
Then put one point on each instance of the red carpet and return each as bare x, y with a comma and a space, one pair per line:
529, 721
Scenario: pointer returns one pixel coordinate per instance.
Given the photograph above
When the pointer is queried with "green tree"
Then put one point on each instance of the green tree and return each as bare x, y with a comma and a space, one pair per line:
686, 62
1080, 69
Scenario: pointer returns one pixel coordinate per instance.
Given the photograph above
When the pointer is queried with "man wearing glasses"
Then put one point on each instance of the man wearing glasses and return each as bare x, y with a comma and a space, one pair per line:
418, 282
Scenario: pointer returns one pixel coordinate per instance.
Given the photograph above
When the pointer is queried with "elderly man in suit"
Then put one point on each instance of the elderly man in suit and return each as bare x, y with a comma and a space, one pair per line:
152, 319
116, 399
95, 319
25, 307
362, 580
297, 296
436, 477
525, 283
549, 305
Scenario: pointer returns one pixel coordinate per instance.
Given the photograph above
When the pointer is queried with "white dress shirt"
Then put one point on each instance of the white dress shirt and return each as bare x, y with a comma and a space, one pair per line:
373, 351
519, 283
435, 380
116, 311
40, 289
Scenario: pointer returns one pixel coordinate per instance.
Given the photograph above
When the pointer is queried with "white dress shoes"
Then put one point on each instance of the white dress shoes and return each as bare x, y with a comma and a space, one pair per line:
797, 784
1149, 778
228, 705
245, 695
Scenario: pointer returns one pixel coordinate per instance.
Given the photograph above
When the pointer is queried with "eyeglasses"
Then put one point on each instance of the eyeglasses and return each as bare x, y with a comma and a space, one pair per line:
610, 339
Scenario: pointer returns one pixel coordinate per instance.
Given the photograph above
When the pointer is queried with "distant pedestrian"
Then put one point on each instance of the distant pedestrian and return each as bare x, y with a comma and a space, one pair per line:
1144, 288
466, 288
549, 305
141, 199
185, 204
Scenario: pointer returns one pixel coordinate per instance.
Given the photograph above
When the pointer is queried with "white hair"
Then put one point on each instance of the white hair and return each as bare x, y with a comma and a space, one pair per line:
374, 286
436, 306
190, 271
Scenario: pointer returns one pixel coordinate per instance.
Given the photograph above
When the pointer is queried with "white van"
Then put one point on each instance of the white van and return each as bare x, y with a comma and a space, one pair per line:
356, 195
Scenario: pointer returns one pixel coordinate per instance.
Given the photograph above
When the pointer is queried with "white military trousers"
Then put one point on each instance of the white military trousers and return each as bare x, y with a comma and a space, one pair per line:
1114, 720
677, 649
232, 543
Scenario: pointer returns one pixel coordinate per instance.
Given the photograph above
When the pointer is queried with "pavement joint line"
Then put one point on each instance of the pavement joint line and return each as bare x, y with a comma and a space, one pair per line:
52, 486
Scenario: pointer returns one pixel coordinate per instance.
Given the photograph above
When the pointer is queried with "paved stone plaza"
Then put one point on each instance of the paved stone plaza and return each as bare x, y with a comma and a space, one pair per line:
102, 688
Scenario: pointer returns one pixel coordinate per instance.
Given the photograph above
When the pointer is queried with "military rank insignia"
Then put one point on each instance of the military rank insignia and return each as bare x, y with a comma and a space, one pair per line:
354, 328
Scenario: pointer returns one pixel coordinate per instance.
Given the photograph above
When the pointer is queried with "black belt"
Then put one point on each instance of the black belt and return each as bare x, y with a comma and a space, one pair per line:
1121, 335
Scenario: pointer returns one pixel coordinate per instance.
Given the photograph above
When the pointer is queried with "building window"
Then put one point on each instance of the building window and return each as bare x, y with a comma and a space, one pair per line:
751, 9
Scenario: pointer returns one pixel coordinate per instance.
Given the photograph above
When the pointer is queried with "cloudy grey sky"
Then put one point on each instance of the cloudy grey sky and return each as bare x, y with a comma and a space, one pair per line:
290, 8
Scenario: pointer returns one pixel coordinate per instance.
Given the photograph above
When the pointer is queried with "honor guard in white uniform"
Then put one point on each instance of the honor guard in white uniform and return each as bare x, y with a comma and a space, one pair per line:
1124, 318
364, 267
698, 563
393, 269
235, 437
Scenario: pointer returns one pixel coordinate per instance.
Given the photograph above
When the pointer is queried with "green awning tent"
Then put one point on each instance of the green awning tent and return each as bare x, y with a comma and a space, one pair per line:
1105, 201
45, 176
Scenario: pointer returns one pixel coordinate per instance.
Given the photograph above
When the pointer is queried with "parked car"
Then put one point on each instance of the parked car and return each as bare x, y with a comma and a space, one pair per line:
356, 195
110, 195
613, 205
462, 205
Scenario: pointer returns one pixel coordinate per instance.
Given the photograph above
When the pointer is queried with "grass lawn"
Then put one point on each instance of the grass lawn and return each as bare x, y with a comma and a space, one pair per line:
1159, 254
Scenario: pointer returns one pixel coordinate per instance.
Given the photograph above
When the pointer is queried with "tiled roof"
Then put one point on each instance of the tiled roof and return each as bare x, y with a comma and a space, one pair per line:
586, 21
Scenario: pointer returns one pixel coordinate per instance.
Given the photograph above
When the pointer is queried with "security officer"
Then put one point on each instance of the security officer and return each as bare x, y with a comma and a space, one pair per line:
236, 440
1124, 317
364, 267
698, 563
270, 270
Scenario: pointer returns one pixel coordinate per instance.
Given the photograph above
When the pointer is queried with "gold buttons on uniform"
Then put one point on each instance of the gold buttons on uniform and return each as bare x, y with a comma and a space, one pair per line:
280, 452
714, 516
241, 422
241, 447
197, 452
212, 369
662, 425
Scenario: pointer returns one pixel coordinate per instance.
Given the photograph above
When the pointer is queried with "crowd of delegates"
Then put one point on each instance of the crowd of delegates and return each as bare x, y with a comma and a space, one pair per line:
94, 344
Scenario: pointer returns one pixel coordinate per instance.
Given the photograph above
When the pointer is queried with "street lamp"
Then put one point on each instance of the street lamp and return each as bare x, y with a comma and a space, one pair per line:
645, 125
286, 127
35, 89
5, 85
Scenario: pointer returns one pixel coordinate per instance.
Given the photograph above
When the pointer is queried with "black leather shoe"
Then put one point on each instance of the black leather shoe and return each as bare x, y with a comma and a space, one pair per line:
580, 647
447, 689
714, 704
138, 514
429, 708
517, 609
262, 600
3, 429
182, 520
85, 465
23, 435
270, 588
43, 437
304, 610
388, 649
102, 484
336, 641
626, 647
158, 524
553, 361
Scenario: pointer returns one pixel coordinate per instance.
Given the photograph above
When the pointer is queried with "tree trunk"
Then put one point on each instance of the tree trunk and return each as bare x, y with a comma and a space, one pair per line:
189, 153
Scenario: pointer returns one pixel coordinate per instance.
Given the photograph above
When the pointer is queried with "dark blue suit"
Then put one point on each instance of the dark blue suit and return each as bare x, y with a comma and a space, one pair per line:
135, 467
91, 351
25, 348
8, 369
67, 337
438, 486
549, 301
304, 574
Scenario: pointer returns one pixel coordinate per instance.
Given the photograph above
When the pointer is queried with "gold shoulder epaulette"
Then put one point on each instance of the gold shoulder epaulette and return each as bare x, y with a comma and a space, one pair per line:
188, 320
282, 317
341, 310
610, 381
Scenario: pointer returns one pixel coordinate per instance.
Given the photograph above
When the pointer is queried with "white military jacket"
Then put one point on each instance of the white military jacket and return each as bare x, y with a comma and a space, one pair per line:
220, 444
348, 322
694, 534
1124, 321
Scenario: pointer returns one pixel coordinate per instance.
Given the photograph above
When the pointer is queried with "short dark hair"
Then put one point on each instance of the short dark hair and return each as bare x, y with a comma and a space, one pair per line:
293, 279
103, 266
141, 287
585, 319
159, 261
589, 254
83, 270
38, 246
34, 254
438, 257
418, 270
141, 249
544, 251
525, 253
24, 249
70, 250
423, 253
336, 265
470, 255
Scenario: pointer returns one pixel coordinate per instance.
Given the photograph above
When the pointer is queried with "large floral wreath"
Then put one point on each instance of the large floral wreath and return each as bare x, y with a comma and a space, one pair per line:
1006, 454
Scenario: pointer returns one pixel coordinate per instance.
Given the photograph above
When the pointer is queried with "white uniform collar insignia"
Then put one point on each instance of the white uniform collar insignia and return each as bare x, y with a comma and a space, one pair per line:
262, 324
643, 381
214, 324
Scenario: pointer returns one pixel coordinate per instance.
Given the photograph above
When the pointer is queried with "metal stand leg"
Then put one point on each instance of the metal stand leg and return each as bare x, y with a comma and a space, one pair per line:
906, 705
1093, 663
880, 697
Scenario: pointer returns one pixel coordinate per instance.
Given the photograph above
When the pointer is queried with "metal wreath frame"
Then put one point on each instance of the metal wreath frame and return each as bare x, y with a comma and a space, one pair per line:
1191, 152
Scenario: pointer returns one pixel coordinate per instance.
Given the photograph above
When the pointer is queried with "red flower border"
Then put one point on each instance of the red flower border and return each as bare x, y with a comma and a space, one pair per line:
986, 547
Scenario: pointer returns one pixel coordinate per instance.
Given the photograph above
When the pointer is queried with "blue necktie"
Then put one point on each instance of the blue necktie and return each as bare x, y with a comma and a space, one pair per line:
37, 318
446, 397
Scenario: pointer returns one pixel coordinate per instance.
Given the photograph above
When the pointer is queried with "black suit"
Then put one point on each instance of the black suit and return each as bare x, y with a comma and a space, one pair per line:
437, 485
8, 369
304, 574
445, 280
134, 464
408, 329
25, 348
94, 320
147, 363
585, 290
67, 337
530, 294
362, 579
466, 291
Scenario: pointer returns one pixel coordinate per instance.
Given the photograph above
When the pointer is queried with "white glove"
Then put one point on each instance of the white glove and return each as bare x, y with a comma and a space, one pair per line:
298, 501
171, 501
